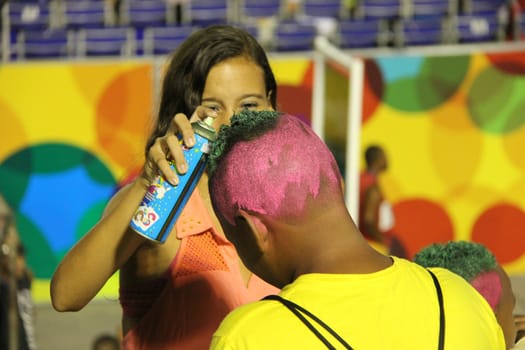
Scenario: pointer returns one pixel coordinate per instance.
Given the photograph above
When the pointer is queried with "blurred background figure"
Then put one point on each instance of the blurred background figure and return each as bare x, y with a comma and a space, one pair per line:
376, 217
478, 266
178, 9
106, 341
17, 330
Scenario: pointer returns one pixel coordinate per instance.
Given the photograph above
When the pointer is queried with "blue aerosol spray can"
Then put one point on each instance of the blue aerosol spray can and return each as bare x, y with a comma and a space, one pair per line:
163, 203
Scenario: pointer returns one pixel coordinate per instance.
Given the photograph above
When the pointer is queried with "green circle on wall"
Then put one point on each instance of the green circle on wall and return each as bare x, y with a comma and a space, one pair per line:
496, 101
416, 84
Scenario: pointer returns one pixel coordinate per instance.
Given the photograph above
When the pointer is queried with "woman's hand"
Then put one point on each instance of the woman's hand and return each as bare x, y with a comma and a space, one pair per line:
167, 149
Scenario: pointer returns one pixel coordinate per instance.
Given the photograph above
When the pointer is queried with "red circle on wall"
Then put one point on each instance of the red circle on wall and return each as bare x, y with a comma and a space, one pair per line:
421, 222
509, 62
501, 228
373, 89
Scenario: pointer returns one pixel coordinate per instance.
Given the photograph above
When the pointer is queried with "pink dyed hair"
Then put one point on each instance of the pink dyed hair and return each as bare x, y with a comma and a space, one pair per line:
276, 173
488, 284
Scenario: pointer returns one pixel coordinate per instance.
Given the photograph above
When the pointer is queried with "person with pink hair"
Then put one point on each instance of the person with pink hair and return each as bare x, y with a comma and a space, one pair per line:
478, 266
277, 192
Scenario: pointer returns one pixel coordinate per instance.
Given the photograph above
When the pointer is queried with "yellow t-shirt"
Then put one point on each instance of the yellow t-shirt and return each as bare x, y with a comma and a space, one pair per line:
396, 308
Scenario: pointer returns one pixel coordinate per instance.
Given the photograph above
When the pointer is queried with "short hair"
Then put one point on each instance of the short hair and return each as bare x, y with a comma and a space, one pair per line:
372, 153
470, 260
270, 163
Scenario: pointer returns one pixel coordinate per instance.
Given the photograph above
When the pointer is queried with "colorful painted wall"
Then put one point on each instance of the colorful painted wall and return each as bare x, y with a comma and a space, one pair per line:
454, 131
452, 127
71, 134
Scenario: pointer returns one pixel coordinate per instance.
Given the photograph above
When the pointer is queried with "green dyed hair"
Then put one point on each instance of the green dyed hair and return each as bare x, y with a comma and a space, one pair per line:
467, 259
244, 126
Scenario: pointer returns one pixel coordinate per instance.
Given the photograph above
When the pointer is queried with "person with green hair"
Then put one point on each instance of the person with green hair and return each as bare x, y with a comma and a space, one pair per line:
478, 266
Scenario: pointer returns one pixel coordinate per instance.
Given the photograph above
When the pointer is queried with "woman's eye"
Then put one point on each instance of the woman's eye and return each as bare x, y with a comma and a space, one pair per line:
249, 105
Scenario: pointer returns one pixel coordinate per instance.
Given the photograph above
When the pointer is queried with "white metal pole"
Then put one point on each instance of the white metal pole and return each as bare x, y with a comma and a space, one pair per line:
353, 138
355, 67
332, 52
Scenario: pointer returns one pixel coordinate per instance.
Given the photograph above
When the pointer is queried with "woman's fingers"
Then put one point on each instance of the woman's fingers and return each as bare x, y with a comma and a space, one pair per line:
158, 157
183, 126
175, 153
168, 149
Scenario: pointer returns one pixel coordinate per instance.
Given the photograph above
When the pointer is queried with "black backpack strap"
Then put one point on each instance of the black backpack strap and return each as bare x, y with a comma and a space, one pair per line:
299, 311
441, 344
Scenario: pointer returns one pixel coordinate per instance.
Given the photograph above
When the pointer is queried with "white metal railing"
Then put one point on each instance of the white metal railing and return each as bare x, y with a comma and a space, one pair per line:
324, 50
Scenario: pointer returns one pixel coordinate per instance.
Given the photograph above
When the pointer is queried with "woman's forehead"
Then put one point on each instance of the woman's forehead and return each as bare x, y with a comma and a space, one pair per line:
237, 70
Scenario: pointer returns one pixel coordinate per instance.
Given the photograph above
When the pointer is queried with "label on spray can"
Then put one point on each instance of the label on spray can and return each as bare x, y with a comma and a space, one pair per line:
163, 202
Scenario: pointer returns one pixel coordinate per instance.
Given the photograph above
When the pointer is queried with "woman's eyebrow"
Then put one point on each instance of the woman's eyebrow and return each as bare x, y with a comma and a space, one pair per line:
210, 99
251, 95
242, 97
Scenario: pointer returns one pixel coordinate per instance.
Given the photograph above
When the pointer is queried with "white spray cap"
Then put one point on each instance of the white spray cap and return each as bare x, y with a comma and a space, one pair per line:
208, 121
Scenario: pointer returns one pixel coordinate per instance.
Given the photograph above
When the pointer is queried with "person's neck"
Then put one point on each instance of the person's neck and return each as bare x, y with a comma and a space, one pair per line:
373, 171
334, 245
202, 187
350, 258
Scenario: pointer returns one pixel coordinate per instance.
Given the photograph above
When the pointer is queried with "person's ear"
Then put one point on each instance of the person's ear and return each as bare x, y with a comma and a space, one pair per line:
257, 228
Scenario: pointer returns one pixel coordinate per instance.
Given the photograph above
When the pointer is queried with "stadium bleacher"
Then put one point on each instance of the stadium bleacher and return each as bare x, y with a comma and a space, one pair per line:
73, 28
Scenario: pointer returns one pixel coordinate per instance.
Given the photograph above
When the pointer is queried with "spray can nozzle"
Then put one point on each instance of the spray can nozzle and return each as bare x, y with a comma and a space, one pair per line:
208, 121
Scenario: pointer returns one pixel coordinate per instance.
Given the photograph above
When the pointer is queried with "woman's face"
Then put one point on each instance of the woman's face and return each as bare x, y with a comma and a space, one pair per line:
234, 85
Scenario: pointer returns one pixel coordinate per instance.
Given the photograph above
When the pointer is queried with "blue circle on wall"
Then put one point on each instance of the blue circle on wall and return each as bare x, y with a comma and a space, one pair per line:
57, 192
